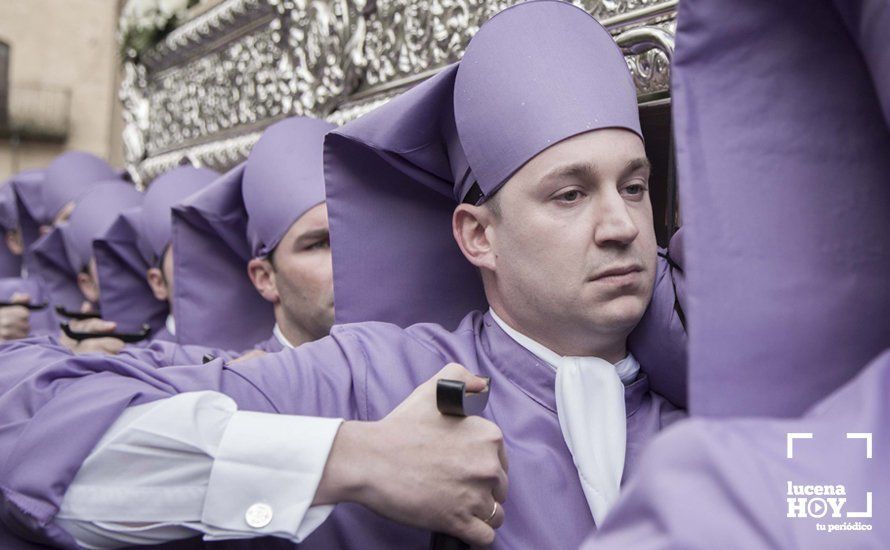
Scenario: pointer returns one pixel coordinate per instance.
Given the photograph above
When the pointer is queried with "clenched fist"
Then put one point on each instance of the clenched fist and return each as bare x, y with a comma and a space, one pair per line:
422, 468
15, 322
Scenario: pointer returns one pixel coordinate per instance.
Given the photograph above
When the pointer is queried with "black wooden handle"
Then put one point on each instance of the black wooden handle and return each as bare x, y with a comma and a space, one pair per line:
32, 307
79, 315
128, 338
453, 399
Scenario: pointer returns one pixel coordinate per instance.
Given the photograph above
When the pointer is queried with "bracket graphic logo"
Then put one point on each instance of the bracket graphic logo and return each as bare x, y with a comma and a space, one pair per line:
826, 501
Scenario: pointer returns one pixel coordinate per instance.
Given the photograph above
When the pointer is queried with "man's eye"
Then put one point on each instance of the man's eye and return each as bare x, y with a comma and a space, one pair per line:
569, 196
320, 245
635, 189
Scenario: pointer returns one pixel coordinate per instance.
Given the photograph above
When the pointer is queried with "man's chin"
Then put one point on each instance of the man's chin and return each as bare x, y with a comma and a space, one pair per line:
619, 314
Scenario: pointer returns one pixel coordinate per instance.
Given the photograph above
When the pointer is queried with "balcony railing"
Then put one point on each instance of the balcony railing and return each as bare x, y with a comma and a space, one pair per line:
38, 113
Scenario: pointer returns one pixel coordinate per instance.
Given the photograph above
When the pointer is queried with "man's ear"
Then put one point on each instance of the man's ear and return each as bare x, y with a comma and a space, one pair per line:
262, 275
88, 287
157, 283
14, 242
474, 232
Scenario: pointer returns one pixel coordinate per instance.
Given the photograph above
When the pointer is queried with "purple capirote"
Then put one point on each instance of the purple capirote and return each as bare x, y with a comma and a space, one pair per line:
66, 250
10, 264
243, 215
135, 242
69, 176
31, 214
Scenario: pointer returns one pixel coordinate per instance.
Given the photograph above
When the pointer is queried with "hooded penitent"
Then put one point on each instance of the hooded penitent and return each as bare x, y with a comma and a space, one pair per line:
30, 210
67, 249
241, 216
69, 176
10, 264
137, 241
395, 175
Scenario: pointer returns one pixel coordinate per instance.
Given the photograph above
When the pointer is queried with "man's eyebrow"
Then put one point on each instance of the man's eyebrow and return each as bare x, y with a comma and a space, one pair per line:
311, 236
580, 170
589, 172
637, 164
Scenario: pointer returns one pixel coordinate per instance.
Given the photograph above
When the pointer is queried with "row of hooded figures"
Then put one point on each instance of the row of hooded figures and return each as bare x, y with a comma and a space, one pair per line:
448, 323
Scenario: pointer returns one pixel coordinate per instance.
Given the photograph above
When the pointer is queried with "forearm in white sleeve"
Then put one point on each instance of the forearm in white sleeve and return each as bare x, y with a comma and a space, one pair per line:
193, 464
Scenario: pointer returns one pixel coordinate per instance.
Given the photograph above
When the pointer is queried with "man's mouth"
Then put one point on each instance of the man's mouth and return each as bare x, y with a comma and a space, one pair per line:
619, 275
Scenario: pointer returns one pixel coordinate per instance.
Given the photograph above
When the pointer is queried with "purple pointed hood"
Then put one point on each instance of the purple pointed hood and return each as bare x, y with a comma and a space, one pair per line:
69, 176
54, 270
242, 215
61, 254
126, 297
394, 176
788, 227
135, 242
10, 264
9, 217
94, 213
28, 187
283, 179
165, 192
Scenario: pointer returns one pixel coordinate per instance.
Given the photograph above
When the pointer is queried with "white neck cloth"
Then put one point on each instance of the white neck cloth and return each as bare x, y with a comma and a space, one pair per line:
590, 408
282, 339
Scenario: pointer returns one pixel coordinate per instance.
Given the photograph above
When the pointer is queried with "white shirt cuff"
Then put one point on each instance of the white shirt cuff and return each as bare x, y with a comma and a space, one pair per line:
265, 476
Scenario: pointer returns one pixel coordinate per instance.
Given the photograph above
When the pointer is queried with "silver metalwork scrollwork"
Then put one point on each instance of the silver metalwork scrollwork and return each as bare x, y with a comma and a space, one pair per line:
211, 85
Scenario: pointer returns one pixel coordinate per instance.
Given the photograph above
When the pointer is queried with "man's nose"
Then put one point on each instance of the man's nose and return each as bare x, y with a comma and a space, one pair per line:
614, 224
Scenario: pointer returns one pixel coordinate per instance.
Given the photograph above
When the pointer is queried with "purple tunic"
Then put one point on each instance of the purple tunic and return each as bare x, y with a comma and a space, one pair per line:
272, 345
338, 376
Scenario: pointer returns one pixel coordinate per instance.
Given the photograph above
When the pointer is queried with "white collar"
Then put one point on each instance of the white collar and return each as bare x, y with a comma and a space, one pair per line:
170, 324
627, 368
282, 339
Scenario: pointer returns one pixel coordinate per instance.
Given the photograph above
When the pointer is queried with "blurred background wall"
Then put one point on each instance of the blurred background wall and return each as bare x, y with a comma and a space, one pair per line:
59, 77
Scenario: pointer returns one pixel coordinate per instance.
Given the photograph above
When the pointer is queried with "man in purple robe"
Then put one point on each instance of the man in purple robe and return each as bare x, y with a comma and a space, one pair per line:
65, 254
536, 134
45, 198
134, 258
257, 242
11, 251
21, 209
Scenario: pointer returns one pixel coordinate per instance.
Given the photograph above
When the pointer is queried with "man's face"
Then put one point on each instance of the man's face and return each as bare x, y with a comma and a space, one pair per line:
574, 243
303, 276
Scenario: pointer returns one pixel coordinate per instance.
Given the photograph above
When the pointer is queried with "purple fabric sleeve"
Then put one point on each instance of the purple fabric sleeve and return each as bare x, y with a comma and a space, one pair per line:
731, 477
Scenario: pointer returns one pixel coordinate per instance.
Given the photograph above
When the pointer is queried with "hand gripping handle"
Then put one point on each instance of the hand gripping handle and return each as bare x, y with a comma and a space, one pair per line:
453, 399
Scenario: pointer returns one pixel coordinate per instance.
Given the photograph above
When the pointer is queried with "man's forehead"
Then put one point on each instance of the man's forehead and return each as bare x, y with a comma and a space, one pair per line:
601, 152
